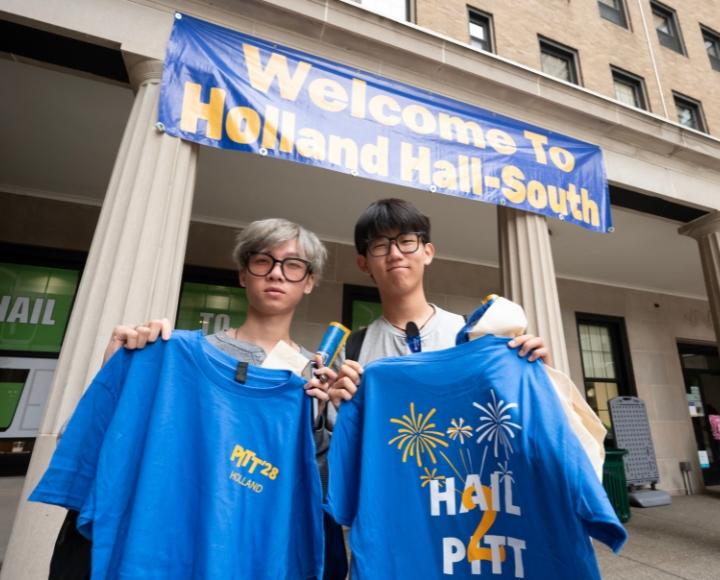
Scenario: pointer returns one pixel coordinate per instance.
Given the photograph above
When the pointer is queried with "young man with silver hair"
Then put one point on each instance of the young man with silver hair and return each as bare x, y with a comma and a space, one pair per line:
279, 262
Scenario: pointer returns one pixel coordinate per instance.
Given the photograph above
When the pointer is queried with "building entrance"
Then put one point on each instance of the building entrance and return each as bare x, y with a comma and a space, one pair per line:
701, 369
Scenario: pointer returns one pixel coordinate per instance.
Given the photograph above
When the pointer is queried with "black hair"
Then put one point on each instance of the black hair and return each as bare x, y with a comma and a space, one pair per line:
387, 215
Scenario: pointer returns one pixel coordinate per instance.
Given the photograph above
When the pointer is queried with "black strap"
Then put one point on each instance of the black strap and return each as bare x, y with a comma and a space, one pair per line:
71, 556
354, 344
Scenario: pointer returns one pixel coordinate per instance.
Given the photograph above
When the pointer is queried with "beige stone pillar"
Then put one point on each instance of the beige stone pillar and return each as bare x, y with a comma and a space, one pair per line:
527, 273
133, 273
706, 230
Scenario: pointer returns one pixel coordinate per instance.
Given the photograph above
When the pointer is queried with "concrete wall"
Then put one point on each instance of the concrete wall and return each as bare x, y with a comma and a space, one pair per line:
46, 222
653, 331
655, 323
599, 43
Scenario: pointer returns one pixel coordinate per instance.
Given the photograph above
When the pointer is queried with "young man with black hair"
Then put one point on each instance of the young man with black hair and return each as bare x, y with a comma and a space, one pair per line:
392, 239
394, 248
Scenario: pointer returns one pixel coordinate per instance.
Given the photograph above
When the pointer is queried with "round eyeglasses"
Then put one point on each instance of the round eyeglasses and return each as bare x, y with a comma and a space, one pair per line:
407, 243
261, 264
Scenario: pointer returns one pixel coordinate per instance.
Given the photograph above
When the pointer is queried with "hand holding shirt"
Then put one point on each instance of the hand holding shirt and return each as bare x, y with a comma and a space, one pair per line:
461, 462
180, 471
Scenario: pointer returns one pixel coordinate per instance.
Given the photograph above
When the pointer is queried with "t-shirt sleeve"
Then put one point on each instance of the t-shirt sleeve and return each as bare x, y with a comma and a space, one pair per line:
344, 463
594, 508
69, 479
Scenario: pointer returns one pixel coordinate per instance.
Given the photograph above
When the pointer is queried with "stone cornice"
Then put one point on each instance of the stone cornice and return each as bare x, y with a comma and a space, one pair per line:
430, 58
343, 31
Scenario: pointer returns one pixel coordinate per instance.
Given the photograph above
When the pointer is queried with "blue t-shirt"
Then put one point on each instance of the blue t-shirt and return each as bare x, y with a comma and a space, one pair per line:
461, 462
180, 471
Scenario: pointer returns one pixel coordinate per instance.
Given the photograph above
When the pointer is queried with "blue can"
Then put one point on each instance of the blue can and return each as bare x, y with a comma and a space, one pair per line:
332, 342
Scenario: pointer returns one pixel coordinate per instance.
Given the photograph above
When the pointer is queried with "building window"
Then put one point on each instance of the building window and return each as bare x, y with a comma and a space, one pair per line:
689, 113
614, 11
712, 46
605, 361
629, 88
397, 9
480, 29
667, 28
559, 61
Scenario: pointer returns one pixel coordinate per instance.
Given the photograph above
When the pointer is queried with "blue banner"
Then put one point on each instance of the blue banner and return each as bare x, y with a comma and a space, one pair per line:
230, 90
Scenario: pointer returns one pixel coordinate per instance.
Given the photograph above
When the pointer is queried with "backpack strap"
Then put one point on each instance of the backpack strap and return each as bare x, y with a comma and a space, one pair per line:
354, 344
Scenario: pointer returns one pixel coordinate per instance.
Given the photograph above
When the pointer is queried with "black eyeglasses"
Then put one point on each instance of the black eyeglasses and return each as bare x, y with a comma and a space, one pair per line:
407, 243
293, 269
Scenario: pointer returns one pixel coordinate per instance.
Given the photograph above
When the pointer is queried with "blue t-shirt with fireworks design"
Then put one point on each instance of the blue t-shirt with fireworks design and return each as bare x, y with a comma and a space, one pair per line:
461, 463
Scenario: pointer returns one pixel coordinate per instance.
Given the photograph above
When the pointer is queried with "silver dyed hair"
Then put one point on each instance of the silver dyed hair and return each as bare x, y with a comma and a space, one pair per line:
264, 235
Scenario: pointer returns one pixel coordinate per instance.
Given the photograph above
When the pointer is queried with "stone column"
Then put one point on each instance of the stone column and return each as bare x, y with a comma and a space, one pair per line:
133, 273
706, 230
527, 273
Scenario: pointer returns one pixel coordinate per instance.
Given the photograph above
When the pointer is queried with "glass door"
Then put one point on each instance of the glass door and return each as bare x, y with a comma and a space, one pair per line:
701, 369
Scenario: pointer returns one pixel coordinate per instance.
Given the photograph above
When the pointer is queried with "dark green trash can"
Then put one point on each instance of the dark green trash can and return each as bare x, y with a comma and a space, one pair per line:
615, 484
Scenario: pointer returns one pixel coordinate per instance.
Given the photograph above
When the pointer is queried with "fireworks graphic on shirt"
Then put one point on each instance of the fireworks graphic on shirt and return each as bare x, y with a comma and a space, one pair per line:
429, 476
505, 472
496, 425
417, 436
459, 430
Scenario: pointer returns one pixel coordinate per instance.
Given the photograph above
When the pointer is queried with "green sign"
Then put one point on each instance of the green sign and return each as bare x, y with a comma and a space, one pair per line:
364, 312
35, 305
211, 307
